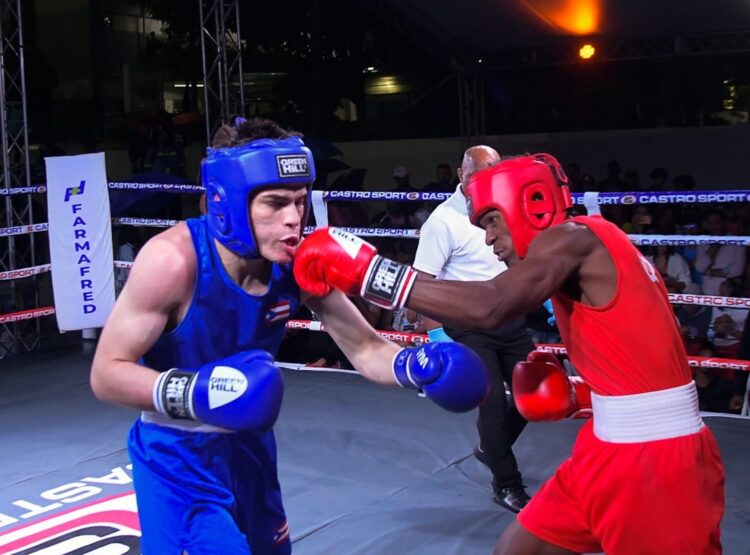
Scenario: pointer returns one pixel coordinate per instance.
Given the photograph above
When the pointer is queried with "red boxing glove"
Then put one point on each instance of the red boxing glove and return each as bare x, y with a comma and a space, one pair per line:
542, 390
332, 258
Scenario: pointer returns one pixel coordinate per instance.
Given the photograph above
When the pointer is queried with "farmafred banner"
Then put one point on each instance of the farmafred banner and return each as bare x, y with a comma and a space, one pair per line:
80, 240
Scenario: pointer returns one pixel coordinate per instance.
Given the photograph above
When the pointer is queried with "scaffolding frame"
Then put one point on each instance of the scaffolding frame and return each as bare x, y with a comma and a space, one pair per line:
471, 108
221, 51
17, 209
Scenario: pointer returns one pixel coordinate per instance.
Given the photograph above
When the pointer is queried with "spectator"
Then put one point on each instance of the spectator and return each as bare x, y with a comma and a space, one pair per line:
540, 326
632, 181
166, 156
683, 182
347, 214
127, 249
728, 323
587, 183
573, 171
641, 220
403, 185
716, 262
140, 144
673, 268
407, 320
442, 183
733, 224
694, 320
613, 182
740, 401
714, 390
396, 216
688, 226
665, 221
659, 178
400, 214
746, 281
617, 214
311, 348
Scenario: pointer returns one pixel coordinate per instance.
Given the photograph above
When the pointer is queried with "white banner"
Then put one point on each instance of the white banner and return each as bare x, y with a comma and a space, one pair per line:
80, 240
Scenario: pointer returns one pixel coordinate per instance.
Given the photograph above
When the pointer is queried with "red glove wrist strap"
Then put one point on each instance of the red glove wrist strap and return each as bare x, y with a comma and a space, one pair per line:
387, 283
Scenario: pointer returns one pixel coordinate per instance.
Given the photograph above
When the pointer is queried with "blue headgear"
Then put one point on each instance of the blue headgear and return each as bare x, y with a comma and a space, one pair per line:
232, 175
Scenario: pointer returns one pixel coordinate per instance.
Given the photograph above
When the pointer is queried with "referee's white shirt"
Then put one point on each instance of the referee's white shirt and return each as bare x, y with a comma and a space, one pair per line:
450, 247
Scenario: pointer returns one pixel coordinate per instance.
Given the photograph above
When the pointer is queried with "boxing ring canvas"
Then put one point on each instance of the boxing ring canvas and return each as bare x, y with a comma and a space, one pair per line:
365, 470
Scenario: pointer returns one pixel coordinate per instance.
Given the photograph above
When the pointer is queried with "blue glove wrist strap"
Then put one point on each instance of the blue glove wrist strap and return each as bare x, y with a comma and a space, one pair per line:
173, 394
401, 368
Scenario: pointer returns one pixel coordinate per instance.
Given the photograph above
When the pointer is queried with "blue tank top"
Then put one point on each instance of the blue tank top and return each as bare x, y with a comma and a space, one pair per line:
222, 318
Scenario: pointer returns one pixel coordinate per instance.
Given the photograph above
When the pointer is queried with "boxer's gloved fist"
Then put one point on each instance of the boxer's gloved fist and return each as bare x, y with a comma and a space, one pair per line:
332, 258
450, 374
240, 392
542, 390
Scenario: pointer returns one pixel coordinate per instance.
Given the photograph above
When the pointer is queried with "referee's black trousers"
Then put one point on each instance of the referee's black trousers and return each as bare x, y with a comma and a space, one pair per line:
499, 423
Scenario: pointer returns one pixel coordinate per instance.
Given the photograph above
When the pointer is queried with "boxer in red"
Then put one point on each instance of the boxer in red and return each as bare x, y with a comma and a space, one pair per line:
645, 475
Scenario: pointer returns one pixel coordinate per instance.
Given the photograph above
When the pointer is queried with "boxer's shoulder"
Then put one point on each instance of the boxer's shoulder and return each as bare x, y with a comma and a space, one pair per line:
172, 250
567, 237
166, 264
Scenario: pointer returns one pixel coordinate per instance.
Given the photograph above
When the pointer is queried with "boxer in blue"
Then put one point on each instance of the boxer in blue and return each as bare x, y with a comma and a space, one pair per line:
191, 342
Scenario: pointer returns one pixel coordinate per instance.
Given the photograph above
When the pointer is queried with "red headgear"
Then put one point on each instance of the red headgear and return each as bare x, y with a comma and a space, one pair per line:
530, 191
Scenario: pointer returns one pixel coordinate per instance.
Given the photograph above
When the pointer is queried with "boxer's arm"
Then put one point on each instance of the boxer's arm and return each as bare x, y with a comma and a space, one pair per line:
160, 278
552, 259
703, 260
369, 353
434, 328
449, 374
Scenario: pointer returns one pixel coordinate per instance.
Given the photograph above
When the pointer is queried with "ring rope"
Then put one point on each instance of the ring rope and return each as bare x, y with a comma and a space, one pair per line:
637, 239
674, 298
626, 197
416, 338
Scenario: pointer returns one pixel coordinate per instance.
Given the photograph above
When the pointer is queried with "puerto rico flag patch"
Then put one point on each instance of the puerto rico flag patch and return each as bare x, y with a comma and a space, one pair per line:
279, 311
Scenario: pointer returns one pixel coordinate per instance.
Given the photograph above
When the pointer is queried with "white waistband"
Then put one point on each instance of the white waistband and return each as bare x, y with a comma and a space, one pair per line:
150, 417
648, 416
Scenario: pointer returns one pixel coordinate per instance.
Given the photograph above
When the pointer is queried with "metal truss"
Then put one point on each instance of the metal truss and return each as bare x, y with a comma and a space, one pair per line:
15, 251
610, 49
221, 48
471, 108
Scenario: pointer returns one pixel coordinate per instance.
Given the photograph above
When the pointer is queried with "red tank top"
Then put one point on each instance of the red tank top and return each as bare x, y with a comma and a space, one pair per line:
632, 344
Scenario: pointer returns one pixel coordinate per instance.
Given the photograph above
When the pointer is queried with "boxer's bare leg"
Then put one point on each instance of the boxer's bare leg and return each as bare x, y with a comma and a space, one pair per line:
516, 540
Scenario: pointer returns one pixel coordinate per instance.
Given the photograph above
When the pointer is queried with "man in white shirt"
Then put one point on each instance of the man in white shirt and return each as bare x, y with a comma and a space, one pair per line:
450, 247
718, 262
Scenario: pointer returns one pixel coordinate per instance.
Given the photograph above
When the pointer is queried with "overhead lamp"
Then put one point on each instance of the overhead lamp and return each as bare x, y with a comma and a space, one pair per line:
587, 51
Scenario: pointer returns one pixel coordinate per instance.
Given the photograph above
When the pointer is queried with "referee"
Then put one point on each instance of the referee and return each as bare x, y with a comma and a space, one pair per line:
450, 247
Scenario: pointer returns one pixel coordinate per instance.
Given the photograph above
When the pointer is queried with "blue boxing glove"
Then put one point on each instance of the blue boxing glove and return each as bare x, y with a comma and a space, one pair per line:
548, 305
437, 335
240, 392
450, 374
